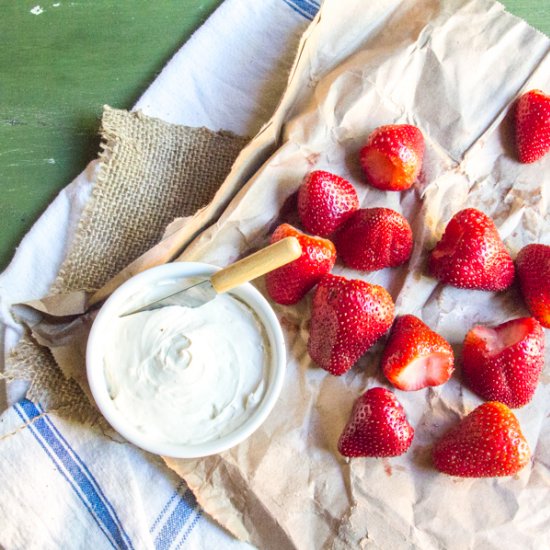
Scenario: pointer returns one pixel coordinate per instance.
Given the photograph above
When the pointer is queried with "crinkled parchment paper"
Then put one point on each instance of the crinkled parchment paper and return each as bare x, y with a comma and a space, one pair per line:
454, 69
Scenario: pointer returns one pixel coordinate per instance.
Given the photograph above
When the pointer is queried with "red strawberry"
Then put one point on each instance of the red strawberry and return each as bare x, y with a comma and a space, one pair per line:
347, 317
415, 356
290, 283
486, 443
325, 201
374, 238
504, 363
532, 126
533, 266
377, 426
471, 255
392, 156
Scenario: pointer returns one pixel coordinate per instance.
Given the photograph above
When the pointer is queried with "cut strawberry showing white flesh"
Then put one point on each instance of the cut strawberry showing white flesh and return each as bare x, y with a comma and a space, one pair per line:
415, 356
503, 363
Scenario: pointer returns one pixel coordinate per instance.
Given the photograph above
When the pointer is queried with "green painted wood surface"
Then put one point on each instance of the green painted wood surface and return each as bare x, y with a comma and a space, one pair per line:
59, 67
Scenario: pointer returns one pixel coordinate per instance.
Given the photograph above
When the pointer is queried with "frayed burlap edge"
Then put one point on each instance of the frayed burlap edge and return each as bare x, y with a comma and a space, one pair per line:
34, 363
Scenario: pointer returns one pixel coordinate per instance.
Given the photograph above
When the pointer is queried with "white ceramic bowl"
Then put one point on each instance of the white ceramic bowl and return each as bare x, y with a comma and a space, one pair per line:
122, 300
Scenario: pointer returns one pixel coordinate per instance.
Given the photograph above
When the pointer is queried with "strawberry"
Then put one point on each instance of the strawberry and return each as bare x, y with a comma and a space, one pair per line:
374, 238
347, 317
377, 426
471, 255
415, 356
504, 363
325, 201
291, 282
392, 156
532, 121
533, 267
486, 443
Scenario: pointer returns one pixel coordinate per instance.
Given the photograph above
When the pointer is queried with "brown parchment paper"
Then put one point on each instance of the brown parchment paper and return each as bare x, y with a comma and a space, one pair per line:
453, 68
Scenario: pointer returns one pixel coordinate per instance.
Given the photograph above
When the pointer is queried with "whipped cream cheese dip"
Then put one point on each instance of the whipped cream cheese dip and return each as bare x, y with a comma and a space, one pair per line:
188, 375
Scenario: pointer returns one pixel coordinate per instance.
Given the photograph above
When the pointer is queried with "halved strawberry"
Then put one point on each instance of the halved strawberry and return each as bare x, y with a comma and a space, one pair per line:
504, 363
533, 267
486, 443
532, 118
347, 317
374, 238
415, 356
471, 254
290, 283
325, 201
392, 156
378, 426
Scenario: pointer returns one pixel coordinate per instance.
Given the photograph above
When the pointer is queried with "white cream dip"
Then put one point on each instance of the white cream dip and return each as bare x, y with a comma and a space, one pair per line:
188, 375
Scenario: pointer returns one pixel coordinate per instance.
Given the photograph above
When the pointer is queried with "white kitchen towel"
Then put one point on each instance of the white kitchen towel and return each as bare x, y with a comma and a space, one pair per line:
64, 486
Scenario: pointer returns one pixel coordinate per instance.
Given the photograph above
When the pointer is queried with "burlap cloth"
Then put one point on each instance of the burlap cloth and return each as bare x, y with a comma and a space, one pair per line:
150, 173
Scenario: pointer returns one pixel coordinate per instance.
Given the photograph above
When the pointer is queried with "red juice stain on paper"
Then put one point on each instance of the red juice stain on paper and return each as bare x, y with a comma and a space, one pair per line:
289, 325
387, 466
312, 158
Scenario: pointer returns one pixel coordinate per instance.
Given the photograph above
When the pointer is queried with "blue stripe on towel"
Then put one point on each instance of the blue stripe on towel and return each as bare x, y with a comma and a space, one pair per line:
71, 467
313, 3
190, 528
306, 8
88, 473
172, 528
166, 506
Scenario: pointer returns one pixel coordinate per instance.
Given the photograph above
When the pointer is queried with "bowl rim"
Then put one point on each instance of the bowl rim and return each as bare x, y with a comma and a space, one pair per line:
96, 377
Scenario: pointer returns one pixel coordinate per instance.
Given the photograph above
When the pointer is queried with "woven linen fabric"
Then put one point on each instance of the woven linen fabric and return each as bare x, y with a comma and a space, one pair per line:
150, 173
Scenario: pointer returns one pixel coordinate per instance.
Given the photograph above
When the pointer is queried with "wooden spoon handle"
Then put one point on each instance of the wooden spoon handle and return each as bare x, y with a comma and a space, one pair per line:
265, 260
